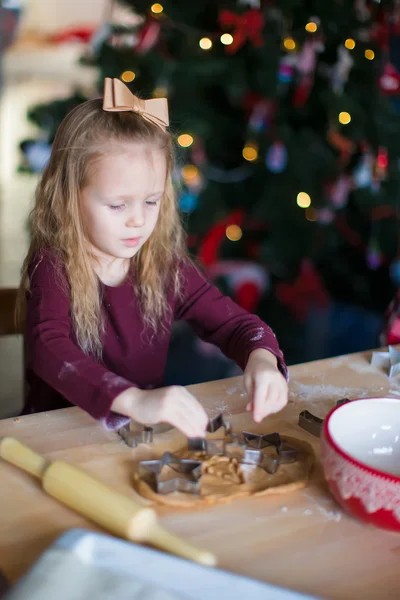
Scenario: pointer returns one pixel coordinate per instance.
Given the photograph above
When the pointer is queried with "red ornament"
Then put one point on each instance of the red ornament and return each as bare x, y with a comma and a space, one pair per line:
148, 37
248, 295
389, 81
303, 90
307, 290
391, 333
208, 252
247, 26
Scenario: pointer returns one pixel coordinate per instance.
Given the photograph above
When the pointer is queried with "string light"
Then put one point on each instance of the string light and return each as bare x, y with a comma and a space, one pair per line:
303, 200
350, 44
185, 140
311, 27
234, 233
289, 43
205, 43
128, 76
250, 152
157, 8
369, 54
190, 173
344, 118
311, 214
226, 39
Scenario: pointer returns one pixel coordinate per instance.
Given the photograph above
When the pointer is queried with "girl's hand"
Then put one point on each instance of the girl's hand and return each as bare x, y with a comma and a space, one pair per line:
173, 405
265, 385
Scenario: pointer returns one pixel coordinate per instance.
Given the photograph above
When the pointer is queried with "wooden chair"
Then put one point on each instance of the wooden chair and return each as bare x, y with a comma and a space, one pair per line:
8, 298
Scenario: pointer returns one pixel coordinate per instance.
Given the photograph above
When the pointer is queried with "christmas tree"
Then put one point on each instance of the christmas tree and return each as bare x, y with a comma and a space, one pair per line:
287, 123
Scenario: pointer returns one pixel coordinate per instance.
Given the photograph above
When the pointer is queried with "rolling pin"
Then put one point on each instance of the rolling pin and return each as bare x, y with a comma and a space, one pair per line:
98, 502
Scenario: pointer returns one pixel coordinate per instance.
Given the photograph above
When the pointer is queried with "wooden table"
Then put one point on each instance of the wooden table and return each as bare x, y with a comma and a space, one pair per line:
301, 540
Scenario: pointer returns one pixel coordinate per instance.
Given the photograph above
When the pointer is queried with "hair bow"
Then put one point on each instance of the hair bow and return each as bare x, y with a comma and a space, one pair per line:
119, 98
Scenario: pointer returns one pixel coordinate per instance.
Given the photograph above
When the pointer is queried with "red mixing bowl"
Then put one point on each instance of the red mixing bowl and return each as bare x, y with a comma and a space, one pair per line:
360, 453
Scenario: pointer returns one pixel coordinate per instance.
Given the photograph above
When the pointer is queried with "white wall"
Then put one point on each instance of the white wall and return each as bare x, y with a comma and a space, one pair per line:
49, 16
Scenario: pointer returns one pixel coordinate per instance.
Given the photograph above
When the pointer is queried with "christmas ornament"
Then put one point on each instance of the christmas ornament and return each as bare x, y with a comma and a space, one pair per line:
303, 90
362, 174
247, 281
209, 250
340, 191
344, 146
307, 58
389, 81
381, 165
276, 159
374, 255
188, 202
286, 68
306, 291
325, 216
247, 26
395, 272
148, 36
253, 3
341, 70
123, 40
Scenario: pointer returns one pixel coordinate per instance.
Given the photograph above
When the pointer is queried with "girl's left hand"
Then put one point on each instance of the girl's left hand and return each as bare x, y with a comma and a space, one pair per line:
265, 385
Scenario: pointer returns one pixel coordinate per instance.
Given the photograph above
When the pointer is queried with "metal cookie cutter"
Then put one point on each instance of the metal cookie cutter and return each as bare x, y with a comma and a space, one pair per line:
252, 457
212, 446
188, 473
310, 423
259, 440
133, 439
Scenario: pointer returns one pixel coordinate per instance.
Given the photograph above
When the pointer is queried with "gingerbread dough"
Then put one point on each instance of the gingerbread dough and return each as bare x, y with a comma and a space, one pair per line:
223, 479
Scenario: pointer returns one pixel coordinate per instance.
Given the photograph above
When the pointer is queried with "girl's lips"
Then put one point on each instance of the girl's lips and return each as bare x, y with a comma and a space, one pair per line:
131, 242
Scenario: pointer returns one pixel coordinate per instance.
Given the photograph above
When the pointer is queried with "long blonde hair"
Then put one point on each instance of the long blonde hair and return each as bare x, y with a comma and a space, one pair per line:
55, 221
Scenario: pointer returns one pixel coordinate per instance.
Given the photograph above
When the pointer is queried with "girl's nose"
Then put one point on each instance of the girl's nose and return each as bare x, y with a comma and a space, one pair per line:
136, 218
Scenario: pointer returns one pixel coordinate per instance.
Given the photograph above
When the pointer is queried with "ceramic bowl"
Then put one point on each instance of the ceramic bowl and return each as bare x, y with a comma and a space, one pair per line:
360, 453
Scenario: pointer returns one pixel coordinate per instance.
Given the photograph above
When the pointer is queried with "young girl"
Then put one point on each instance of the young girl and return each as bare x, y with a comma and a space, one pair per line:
107, 274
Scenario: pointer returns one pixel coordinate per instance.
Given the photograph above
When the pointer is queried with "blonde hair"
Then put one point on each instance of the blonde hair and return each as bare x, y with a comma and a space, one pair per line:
55, 221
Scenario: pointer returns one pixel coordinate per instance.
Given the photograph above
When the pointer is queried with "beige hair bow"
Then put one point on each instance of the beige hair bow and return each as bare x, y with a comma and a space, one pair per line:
119, 98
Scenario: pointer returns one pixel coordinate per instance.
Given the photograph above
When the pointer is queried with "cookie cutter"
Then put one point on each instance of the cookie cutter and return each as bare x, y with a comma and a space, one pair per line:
389, 361
133, 439
313, 424
259, 440
342, 401
188, 473
212, 446
310, 423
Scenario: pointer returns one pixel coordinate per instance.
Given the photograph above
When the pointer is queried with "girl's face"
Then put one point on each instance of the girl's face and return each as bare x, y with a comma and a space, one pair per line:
121, 200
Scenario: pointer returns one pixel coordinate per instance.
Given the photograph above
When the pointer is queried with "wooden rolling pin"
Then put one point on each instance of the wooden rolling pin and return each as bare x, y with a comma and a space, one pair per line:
98, 502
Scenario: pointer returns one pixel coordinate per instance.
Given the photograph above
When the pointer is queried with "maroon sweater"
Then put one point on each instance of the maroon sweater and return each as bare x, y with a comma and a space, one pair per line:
60, 374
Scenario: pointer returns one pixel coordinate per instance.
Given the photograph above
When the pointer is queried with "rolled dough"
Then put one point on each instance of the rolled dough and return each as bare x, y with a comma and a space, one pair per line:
223, 479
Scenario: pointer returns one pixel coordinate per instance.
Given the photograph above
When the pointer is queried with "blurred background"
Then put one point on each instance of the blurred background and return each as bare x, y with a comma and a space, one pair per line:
287, 124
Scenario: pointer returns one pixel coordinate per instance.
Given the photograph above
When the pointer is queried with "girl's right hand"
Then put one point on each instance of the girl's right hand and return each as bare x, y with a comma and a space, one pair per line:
173, 405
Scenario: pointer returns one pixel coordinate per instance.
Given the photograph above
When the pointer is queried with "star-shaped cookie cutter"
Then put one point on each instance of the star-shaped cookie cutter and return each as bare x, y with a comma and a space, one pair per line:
389, 361
133, 439
188, 473
212, 447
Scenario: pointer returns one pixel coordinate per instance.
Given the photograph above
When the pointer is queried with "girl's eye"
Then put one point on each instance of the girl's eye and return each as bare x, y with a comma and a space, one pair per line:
116, 207
151, 202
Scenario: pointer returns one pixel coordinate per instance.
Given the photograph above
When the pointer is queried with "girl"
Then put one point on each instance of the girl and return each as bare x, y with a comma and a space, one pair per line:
107, 274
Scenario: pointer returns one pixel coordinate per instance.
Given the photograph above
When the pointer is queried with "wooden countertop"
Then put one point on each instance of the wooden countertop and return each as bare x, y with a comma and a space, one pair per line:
301, 540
